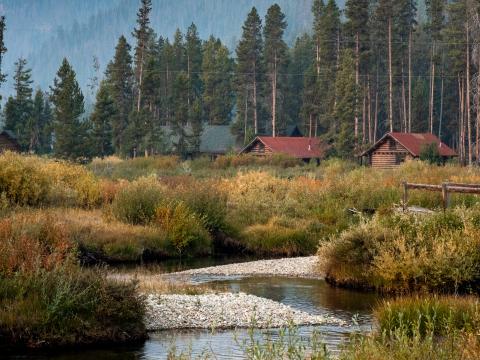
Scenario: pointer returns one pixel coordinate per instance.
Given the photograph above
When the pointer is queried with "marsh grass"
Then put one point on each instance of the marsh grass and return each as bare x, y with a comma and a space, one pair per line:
406, 252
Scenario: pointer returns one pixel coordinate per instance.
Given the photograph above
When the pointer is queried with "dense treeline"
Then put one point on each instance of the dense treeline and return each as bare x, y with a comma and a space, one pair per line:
360, 72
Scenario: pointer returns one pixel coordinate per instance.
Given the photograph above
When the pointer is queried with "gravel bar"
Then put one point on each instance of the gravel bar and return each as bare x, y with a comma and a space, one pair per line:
224, 311
306, 267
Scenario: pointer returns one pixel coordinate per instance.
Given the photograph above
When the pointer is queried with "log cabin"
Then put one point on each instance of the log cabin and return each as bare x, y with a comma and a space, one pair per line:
395, 148
8, 141
297, 147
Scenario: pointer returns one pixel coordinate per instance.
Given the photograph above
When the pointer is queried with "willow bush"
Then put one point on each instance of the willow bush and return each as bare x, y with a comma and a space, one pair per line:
406, 252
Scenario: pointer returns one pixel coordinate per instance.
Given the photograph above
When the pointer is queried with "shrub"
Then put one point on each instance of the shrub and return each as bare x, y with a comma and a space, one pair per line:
431, 154
68, 306
207, 201
278, 238
31, 241
407, 252
132, 169
34, 181
183, 229
22, 181
136, 203
439, 315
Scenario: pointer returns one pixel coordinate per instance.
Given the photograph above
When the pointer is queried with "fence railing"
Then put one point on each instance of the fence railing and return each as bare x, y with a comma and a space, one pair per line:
446, 189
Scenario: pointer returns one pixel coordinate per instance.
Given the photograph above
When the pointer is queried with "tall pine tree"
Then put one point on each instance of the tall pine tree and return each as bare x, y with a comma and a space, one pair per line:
68, 100
276, 62
249, 73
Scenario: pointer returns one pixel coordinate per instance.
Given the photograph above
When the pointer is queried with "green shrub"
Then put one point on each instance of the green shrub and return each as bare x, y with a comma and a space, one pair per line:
407, 252
439, 315
34, 181
22, 181
68, 306
279, 238
208, 202
136, 203
115, 168
183, 229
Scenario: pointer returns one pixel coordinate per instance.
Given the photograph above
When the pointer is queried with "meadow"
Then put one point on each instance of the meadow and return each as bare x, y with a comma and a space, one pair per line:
57, 219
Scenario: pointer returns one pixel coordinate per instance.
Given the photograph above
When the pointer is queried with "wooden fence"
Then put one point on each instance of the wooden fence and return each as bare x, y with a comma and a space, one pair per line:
446, 189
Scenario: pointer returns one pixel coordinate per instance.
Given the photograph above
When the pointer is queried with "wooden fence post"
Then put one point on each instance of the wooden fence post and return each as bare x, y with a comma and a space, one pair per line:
405, 196
445, 196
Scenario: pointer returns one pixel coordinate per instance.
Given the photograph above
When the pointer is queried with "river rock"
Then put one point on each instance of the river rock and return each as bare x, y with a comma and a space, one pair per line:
224, 311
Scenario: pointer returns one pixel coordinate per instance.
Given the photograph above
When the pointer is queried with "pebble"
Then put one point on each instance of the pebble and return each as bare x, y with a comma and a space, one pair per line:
306, 267
225, 311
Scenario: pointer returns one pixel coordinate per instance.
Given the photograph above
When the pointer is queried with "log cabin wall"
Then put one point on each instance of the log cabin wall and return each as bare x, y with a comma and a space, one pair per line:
258, 148
388, 154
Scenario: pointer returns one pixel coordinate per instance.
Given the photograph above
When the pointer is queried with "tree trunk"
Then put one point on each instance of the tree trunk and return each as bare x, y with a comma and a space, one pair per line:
390, 76
245, 119
477, 127
140, 80
357, 83
432, 89
410, 36
364, 119
404, 103
369, 109
375, 124
255, 119
274, 97
460, 121
310, 127
469, 122
441, 109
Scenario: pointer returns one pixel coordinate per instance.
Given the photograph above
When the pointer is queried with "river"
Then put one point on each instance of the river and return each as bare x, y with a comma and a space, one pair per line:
313, 296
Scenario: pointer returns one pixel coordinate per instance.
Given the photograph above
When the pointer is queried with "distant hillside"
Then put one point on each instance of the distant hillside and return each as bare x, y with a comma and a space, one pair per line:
45, 31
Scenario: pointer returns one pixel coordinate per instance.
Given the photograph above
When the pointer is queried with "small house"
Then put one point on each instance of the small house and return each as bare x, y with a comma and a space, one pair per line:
8, 141
214, 140
297, 147
395, 148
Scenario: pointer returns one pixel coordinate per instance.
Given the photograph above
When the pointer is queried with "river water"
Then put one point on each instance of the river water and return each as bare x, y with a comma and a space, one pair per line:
313, 296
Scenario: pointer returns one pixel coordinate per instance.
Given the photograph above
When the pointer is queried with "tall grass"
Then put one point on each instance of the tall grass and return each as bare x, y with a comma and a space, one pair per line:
34, 181
46, 299
402, 253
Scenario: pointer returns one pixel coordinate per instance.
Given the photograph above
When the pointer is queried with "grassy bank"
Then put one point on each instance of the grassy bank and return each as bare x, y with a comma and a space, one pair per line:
404, 253
432, 328
48, 300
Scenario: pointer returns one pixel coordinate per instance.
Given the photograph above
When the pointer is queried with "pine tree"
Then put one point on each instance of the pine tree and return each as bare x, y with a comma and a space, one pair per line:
141, 33
346, 90
20, 108
435, 23
302, 58
357, 12
45, 124
35, 122
318, 8
276, 60
3, 49
180, 95
217, 95
193, 53
67, 98
329, 46
101, 122
119, 77
196, 123
249, 72
384, 17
